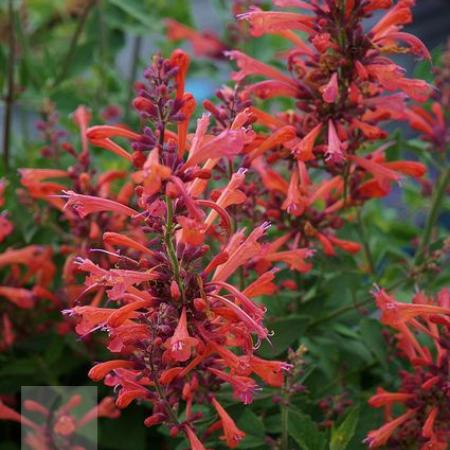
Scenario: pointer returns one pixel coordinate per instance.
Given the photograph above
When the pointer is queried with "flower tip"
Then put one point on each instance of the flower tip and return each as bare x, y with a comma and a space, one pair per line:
376, 290
82, 116
230, 54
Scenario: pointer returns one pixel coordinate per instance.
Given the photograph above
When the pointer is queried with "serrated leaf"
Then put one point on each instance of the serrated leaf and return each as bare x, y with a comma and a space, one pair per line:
342, 435
304, 431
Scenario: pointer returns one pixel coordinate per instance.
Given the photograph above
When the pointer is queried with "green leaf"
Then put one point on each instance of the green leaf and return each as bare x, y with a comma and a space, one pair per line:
304, 431
273, 424
249, 422
253, 426
286, 331
176, 9
136, 10
371, 336
130, 434
342, 435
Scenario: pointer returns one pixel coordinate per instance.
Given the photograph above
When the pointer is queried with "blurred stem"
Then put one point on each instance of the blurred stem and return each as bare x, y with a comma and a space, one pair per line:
67, 61
365, 243
136, 51
9, 98
439, 194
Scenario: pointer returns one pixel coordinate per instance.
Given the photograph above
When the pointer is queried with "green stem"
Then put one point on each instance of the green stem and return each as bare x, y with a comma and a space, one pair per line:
166, 402
73, 44
9, 99
170, 247
433, 216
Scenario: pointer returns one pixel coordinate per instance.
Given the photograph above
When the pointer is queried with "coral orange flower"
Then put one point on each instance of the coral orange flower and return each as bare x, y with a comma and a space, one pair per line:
232, 434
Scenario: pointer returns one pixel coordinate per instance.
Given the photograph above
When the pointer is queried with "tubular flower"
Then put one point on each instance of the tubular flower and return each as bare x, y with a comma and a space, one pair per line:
180, 345
96, 195
232, 434
263, 22
423, 390
205, 44
176, 324
28, 273
341, 89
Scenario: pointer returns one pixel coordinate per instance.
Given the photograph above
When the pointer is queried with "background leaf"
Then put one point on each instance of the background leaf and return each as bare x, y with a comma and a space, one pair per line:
342, 435
304, 431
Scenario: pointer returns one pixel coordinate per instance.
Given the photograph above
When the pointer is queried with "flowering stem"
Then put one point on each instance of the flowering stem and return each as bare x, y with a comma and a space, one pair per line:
170, 247
9, 99
160, 391
432, 217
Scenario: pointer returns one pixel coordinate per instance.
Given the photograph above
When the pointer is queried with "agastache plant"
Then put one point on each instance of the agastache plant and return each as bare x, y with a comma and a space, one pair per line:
53, 185
179, 329
417, 413
424, 390
26, 285
253, 193
321, 158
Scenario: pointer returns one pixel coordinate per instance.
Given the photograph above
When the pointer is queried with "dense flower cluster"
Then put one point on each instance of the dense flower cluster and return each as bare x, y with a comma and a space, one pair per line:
168, 320
178, 318
27, 275
424, 391
322, 158
433, 123
82, 177
422, 327
167, 256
